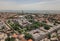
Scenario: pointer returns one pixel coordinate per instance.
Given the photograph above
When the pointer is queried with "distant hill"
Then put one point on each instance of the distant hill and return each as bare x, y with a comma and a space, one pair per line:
34, 11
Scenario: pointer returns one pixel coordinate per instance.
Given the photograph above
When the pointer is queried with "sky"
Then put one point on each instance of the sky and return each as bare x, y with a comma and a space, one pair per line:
29, 4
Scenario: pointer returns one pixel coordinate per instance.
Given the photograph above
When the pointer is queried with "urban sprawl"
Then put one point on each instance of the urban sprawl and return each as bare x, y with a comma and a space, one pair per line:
29, 27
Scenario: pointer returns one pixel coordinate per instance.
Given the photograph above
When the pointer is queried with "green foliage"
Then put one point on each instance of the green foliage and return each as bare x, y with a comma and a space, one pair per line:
3, 27
8, 21
57, 22
34, 25
28, 36
49, 36
47, 27
31, 20
15, 26
29, 17
10, 39
29, 28
23, 30
44, 21
37, 23
54, 23
11, 17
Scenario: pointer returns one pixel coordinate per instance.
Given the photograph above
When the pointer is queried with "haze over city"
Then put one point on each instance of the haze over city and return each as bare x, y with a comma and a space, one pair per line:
29, 20
29, 4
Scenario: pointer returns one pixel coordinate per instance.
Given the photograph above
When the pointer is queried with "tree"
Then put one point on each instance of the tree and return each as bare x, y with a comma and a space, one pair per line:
46, 27
10, 39
8, 21
3, 27
54, 23
49, 36
44, 21
34, 26
31, 20
28, 36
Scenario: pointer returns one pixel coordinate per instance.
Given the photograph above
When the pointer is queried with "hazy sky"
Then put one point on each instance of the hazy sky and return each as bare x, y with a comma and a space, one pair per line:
29, 4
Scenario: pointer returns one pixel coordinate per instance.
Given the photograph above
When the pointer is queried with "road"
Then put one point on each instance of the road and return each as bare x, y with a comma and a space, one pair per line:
5, 24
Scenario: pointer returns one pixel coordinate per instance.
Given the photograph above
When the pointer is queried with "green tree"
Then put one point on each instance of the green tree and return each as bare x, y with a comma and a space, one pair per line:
49, 36
10, 39
28, 36
46, 27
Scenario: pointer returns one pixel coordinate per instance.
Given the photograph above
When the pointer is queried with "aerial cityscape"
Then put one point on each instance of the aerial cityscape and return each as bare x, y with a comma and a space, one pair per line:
29, 20
29, 27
